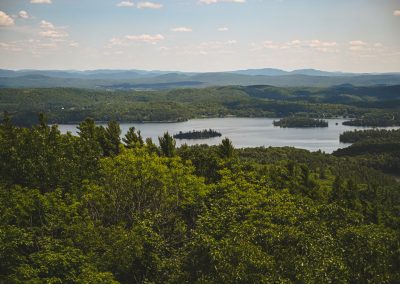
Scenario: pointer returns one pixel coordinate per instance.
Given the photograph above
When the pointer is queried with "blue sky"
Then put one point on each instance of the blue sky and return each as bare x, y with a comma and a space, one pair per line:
201, 35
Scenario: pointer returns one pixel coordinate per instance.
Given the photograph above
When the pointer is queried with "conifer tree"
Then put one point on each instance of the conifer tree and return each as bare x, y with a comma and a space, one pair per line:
112, 138
167, 145
226, 149
133, 139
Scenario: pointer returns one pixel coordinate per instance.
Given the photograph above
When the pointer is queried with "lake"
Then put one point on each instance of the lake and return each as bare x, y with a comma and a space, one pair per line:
246, 132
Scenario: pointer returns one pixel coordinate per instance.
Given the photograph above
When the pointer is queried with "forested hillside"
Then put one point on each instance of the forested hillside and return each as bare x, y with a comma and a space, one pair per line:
369, 106
161, 80
94, 209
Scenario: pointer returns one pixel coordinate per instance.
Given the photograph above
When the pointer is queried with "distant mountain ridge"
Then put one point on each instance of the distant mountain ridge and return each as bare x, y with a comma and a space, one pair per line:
279, 72
142, 79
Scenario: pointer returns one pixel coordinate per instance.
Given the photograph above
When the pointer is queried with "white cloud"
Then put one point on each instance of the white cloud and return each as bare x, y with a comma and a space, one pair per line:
149, 5
74, 44
208, 2
269, 45
182, 30
5, 20
23, 14
152, 39
115, 42
223, 29
396, 13
47, 45
41, 1
230, 42
216, 45
46, 25
54, 34
125, 4
315, 44
365, 47
10, 46
357, 43
128, 39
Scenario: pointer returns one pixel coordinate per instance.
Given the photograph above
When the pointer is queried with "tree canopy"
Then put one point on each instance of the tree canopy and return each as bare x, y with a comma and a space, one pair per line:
91, 209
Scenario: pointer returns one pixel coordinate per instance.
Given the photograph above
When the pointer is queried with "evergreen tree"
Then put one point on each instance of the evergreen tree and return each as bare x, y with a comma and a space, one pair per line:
112, 138
87, 129
167, 145
151, 147
90, 150
8, 149
226, 149
133, 139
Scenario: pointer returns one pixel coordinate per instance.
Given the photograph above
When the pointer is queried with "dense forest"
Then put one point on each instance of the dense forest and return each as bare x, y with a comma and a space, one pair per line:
300, 122
369, 134
93, 208
377, 148
367, 106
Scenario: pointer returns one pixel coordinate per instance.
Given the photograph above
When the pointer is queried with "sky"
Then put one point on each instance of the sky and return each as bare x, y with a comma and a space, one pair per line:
201, 35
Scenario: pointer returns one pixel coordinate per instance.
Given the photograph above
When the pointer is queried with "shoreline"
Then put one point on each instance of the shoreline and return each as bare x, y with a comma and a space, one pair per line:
101, 122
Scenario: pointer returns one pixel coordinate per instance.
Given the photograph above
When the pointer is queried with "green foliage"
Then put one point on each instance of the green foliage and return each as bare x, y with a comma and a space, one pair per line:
377, 119
226, 149
112, 138
203, 134
87, 209
373, 106
292, 122
167, 145
133, 139
376, 148
369, 134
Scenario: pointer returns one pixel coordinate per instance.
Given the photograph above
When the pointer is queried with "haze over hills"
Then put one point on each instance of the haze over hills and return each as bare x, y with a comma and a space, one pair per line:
142, 79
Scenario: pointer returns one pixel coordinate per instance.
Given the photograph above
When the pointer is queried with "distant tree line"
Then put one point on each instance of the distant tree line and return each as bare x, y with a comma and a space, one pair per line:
369, 134
300, 122
196, 134
376, 148
368, 106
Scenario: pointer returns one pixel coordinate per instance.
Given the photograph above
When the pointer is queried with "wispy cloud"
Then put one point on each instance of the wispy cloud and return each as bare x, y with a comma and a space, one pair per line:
74, 44
5, 20
46, 25
365, 47
208, 2
23, 14
140, 5
149, 5
125, 4
10, 46
54, 34
396, 13
357, 45
182, 30
128, 39
223, 29
315, 44
217, 44
41, 1
152, 39
51, 31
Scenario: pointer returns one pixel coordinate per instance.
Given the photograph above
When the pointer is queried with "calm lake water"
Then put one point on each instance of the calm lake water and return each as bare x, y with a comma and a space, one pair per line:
246, 132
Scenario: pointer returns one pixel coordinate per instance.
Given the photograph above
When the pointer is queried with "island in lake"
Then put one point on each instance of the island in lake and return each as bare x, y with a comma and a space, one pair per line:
301, 122
203, 134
